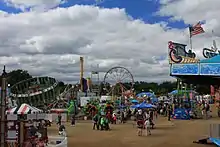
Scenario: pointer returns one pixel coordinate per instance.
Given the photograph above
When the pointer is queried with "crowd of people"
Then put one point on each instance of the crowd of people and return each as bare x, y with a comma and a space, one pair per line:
144, 118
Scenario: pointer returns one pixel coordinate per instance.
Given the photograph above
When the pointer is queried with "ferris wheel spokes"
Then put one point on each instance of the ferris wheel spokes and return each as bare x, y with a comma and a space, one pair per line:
117, 77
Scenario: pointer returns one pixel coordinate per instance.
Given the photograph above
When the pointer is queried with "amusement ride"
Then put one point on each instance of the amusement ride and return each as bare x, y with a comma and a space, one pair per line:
118, 81
36, 91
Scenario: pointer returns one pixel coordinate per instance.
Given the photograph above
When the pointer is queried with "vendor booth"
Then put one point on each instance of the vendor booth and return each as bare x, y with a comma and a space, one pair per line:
26, 125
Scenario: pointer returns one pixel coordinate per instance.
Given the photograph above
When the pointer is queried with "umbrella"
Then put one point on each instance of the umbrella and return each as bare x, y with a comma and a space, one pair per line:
154, 100
150, 106
143, 106
134, 101
143, 94
135, 106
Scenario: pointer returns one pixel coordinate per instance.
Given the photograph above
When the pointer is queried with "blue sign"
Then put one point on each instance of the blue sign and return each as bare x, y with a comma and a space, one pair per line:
185, 69
210, 69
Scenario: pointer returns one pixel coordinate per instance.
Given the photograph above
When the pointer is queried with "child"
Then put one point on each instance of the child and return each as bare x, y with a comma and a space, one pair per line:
147, 125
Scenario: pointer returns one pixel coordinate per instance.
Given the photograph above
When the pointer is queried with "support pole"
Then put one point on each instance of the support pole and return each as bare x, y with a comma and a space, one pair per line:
81, 73
3, 108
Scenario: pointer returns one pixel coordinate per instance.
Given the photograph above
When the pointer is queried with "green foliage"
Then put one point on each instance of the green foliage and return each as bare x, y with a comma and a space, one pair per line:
16, 76
158, 89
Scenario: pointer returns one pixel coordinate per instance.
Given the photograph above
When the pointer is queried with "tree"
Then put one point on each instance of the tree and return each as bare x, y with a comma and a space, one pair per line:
16, 76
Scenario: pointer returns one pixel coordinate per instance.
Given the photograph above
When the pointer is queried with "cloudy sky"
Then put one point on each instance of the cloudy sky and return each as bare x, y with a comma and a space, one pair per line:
47, 37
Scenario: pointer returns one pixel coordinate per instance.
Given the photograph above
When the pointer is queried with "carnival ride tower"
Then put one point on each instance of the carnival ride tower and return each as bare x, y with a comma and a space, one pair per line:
95, 81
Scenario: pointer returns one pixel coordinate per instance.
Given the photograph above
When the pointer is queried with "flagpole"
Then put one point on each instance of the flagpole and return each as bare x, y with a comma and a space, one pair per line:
190, 37
190, 42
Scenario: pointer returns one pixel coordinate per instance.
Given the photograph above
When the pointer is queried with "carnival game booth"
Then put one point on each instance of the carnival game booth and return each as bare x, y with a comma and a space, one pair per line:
20, 123
26, 125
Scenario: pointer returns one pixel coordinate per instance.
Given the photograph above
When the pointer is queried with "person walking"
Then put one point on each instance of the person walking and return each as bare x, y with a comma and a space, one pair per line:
59, 119
169, 110
73, 121
96, 122
147, 125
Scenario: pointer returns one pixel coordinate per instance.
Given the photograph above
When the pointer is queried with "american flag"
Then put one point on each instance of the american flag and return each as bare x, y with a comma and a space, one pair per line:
196, 29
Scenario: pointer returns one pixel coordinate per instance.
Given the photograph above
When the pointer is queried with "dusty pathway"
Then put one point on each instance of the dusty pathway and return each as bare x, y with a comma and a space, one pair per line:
181, 134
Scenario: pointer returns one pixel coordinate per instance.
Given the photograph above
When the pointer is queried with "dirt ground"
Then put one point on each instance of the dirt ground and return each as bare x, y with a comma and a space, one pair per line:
179, 133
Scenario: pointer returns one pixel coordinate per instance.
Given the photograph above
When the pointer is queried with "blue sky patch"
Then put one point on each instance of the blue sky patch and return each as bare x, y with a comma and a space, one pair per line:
138, 9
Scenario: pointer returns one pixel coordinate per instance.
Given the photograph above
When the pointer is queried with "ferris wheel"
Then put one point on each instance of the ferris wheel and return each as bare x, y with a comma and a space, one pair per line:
118, 81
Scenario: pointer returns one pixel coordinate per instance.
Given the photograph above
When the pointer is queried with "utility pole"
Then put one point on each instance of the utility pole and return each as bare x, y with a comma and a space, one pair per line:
3, 107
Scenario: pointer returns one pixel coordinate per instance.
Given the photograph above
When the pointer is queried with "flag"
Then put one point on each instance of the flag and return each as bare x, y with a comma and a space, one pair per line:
196, 29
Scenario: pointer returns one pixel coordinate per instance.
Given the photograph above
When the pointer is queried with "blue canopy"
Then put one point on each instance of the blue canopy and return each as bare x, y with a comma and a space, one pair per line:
151, 106
143, 105
177, 91
215, 59
147, 94
134, 101
135, 106
154, 100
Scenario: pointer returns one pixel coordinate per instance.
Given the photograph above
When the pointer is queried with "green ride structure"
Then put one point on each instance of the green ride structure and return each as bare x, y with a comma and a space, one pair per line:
36, 91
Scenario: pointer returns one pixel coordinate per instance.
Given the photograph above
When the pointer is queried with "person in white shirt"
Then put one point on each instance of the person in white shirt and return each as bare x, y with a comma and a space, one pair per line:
147, 115
147, 125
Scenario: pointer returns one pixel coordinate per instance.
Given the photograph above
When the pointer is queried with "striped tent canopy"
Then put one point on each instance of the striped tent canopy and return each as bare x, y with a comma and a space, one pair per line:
24, 109
58, 110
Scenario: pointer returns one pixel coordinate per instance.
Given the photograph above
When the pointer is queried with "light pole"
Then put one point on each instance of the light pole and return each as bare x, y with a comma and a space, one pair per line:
3, 105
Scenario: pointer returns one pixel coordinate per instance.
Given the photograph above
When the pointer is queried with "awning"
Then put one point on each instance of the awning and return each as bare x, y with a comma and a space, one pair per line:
59, 110
11, 111
24, 109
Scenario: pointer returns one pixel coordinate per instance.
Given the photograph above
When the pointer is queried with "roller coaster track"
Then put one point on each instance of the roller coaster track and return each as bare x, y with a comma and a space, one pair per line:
67, 89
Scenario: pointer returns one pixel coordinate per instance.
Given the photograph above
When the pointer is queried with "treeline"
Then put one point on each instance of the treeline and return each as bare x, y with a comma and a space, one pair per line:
18, 75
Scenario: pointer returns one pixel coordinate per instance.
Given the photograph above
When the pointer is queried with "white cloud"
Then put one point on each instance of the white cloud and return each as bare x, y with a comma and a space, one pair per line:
50, 43
34, 4
193, 11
